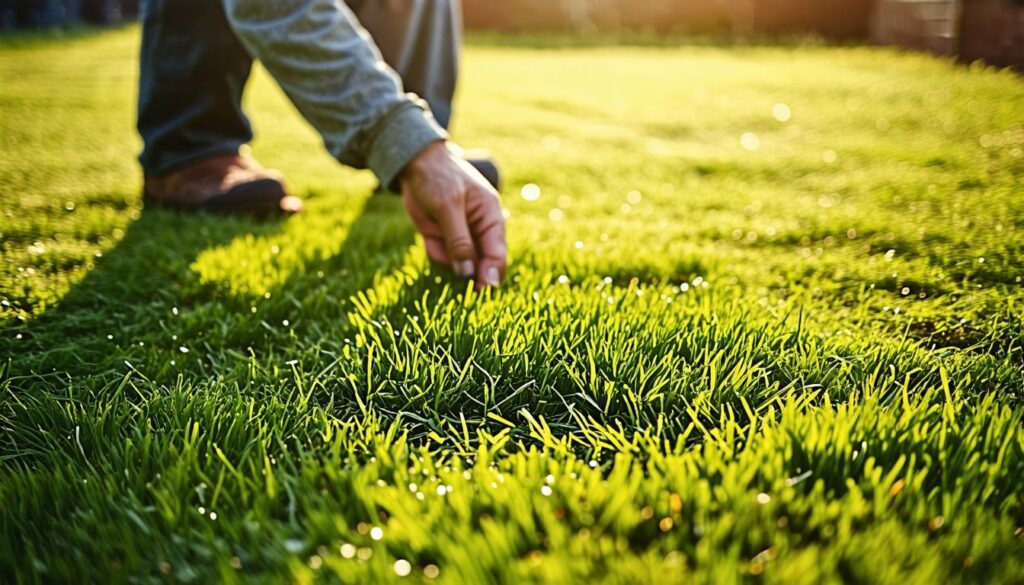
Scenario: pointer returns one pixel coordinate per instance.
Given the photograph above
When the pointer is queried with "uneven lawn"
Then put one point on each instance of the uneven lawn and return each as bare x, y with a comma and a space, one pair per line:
734, 345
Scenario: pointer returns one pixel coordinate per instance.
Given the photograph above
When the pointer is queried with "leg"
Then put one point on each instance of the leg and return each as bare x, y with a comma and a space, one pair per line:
193, 71
419, 39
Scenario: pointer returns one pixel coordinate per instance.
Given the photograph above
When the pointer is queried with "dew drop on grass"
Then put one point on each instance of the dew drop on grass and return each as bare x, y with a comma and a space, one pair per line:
364, 554
782, 112
763, 498
347, 550
183, 349
556, 214
202, 511
579, 244
530, 192
750, 141
110, 337
376, 533
563, 279
285, 323
545, 490
402, 568
431, 571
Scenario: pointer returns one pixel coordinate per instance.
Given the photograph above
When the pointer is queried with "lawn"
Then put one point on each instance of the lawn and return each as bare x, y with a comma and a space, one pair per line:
763, 323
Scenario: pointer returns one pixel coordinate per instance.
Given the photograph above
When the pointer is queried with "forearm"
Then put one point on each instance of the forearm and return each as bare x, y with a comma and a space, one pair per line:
331, 70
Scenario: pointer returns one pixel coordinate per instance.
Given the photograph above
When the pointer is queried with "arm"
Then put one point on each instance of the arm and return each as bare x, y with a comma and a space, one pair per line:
333, 73
331, 70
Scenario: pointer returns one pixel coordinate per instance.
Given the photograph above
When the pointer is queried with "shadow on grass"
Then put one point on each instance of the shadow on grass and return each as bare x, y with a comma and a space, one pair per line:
126, 309
35, 37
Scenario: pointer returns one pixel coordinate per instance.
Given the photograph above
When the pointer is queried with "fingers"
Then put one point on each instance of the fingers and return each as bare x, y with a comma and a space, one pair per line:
458, 214
458, 240
436, 250
488, 227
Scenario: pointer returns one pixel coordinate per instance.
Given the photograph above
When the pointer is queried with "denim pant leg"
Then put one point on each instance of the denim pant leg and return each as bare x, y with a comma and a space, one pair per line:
420, 40
193, 72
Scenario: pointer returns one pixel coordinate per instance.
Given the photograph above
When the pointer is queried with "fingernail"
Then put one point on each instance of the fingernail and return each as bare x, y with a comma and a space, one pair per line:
492, 277
464, 268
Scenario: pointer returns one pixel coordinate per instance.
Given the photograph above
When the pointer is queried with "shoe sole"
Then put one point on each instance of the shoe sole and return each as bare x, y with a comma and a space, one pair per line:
262, 198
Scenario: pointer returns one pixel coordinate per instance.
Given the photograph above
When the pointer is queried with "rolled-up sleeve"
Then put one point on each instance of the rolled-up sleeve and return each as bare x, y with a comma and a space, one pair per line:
329, 67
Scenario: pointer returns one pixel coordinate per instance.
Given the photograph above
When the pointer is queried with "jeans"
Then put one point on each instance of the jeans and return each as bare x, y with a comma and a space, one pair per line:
196, 57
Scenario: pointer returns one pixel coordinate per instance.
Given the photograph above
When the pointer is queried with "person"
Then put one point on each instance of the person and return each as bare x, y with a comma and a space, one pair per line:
345, 66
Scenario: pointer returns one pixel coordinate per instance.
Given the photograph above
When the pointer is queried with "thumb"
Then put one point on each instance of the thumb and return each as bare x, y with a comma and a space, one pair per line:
458, 241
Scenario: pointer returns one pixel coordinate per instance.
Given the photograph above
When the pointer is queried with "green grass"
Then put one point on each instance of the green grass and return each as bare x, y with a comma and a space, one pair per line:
801, 363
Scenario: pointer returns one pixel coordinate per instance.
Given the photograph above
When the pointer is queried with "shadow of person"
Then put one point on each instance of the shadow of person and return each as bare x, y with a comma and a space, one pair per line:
148, 305
125, 296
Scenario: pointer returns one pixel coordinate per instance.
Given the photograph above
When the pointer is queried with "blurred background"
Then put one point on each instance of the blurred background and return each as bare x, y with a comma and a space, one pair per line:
988, 30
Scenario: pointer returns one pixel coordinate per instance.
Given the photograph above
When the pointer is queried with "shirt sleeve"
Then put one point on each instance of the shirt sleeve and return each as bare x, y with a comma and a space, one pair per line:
329, 67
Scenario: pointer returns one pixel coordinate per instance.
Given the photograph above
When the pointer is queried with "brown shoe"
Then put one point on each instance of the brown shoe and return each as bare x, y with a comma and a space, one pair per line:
233, 184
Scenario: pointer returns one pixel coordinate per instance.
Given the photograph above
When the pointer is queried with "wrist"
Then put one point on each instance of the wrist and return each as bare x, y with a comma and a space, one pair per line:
425, 161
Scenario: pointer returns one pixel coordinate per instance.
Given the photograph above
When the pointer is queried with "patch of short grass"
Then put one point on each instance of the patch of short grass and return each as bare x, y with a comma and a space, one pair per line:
739, 340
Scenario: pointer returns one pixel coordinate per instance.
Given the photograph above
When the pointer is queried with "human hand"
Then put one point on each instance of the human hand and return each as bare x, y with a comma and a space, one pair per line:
458, 213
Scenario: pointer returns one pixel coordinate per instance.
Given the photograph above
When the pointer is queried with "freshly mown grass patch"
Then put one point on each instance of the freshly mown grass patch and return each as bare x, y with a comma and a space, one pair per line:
763, 322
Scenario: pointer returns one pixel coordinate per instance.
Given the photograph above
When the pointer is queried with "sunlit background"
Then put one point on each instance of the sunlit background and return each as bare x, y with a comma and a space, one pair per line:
992, 30
762, 321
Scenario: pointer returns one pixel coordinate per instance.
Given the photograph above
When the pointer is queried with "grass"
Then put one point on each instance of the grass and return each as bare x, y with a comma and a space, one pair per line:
797, 363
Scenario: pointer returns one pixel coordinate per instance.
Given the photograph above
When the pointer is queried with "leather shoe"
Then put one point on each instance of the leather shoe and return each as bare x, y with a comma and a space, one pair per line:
232, 184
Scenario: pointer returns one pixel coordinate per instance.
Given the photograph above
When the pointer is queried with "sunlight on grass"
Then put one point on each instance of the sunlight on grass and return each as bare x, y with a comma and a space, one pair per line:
762, 320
